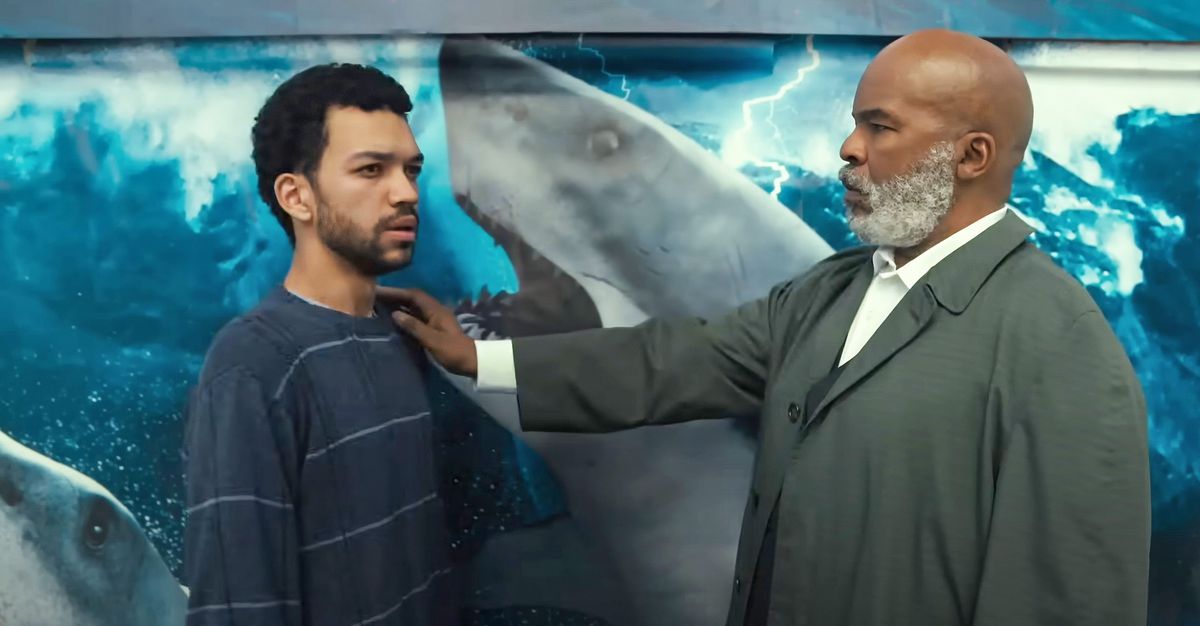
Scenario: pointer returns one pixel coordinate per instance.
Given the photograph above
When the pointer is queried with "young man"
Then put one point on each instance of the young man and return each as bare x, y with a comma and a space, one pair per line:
311, 489
950, 432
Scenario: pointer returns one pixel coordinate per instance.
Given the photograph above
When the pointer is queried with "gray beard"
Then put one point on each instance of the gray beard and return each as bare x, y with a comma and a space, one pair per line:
904, 211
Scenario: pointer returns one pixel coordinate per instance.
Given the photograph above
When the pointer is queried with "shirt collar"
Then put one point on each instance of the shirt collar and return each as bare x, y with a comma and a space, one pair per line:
884, 258
326, 306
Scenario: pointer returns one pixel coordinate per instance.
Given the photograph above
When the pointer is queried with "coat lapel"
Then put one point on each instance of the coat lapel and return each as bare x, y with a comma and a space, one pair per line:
829, 335
906, 321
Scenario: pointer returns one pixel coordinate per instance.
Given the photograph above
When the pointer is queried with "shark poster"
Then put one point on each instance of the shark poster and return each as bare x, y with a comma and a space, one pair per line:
571, 182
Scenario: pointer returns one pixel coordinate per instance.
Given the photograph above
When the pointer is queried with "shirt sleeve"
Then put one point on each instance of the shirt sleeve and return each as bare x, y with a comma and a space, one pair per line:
495, 370
241, 557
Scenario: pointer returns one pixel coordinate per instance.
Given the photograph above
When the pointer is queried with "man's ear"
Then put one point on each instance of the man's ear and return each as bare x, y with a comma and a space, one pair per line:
978, 150
295, 195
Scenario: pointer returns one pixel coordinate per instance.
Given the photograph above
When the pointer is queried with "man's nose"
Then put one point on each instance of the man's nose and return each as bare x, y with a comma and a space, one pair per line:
403, 191
853, 150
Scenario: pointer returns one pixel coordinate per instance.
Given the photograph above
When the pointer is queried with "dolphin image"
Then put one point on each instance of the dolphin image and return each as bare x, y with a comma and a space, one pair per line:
611, 216
72, 554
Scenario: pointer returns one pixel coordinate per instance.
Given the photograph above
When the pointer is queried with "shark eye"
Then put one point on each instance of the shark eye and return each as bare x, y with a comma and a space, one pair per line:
603, 143
98, 524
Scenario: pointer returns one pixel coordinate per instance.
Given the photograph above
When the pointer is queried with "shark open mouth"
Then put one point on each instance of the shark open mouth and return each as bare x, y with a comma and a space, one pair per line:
549, 300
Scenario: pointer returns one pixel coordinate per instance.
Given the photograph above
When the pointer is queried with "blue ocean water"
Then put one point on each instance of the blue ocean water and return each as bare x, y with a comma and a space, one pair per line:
131, 230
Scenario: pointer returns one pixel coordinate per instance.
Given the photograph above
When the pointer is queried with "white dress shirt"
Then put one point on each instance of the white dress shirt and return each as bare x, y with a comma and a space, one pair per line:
497, 373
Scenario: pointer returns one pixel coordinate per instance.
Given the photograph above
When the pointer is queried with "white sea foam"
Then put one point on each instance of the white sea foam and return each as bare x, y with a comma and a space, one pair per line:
199, 118
1080, 89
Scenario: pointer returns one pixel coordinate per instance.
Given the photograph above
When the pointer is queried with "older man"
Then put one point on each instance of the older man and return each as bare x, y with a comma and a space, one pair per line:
950, 432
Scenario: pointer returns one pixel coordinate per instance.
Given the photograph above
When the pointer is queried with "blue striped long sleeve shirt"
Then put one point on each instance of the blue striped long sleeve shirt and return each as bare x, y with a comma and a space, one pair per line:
311, 483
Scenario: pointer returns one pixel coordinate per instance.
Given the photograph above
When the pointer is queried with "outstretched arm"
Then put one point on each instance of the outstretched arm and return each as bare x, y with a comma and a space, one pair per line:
659, 372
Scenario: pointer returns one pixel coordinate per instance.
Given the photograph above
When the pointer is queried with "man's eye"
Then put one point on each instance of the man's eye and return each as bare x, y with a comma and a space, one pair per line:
879, 127
413, 170
370, 170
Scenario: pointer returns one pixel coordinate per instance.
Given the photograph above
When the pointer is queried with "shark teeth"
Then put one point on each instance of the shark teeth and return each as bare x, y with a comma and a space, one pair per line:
481, 318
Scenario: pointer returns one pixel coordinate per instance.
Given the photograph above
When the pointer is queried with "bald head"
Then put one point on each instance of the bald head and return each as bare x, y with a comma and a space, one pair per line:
968, 82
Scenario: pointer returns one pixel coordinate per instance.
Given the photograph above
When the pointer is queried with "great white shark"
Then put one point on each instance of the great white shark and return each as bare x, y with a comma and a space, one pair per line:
70, 553
610, 216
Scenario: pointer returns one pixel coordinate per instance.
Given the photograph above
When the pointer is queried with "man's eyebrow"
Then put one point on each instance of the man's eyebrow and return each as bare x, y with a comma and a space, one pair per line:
386, 157
873, 115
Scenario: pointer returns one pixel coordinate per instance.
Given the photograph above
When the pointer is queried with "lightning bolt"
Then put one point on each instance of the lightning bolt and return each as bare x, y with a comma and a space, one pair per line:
735, 150
604, 67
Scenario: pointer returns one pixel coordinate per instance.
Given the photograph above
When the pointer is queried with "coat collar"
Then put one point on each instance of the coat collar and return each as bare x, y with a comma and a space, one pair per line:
957, 278
884, 258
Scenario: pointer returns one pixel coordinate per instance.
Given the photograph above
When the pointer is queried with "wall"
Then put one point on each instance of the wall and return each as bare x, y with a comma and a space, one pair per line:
1113, 20
131, 231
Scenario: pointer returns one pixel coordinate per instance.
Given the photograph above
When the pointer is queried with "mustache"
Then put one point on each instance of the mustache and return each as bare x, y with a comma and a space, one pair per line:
850, 180
405, 210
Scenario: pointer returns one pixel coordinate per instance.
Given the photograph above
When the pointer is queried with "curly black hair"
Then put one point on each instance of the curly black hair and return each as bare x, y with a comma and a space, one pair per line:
289, 133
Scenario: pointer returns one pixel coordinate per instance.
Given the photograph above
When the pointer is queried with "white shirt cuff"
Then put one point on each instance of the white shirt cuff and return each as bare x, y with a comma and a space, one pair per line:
495, 370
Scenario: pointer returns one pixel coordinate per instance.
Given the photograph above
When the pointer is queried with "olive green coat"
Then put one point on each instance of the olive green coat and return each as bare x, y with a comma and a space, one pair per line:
983, 460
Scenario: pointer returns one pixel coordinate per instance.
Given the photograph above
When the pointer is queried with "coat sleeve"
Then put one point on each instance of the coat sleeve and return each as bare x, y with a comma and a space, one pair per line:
660, 372
1070, 535
241, 556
